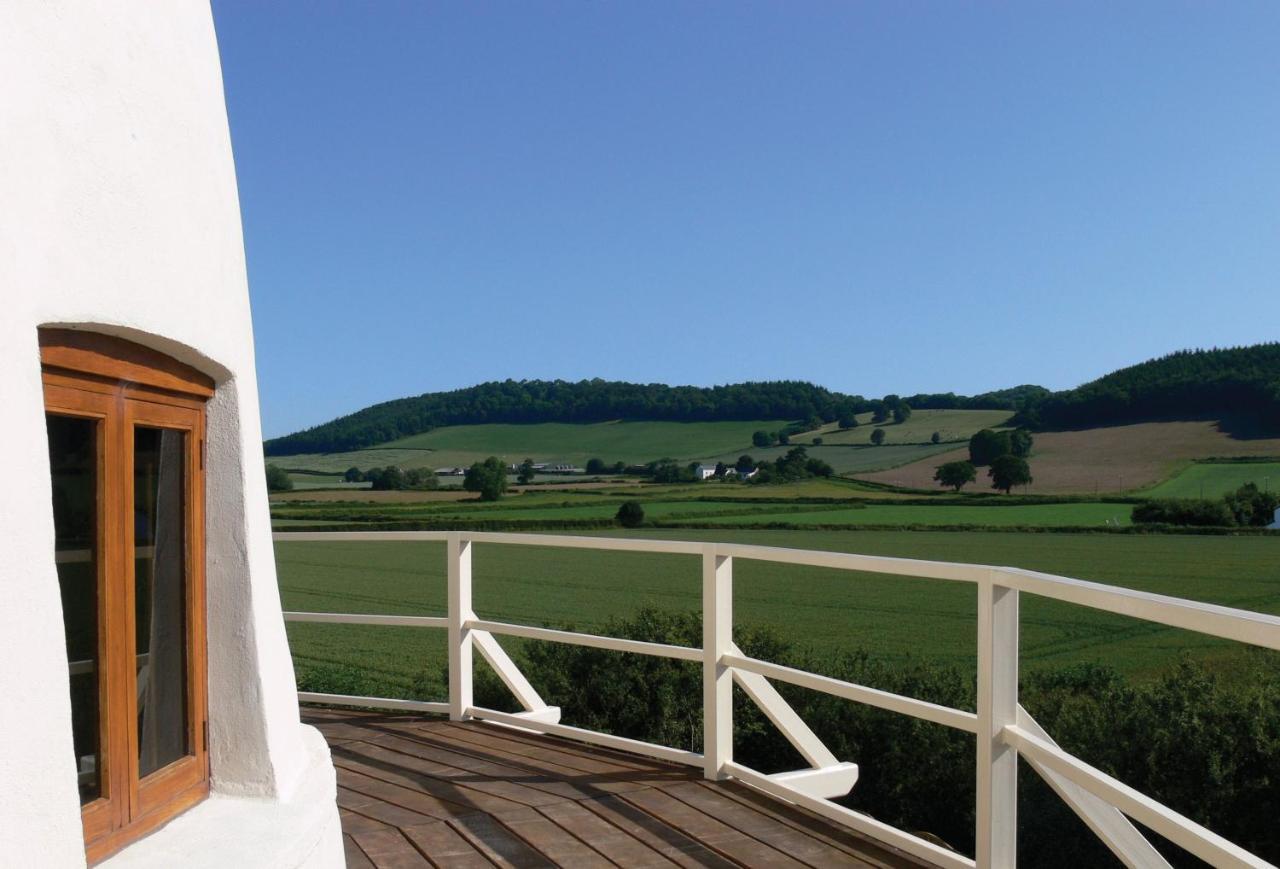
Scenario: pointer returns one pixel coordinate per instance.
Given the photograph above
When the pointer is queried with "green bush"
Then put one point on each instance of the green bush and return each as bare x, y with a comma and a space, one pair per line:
1184, 511
630, 514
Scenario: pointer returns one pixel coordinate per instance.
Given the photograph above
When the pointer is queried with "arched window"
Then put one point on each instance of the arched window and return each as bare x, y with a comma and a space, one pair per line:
126, 428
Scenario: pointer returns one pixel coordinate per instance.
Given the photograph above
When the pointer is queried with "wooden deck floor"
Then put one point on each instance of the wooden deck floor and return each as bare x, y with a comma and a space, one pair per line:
422, 791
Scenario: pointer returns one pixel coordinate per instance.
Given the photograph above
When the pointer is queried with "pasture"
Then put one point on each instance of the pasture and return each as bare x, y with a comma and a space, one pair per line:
951, 425
825, 610
1215, 479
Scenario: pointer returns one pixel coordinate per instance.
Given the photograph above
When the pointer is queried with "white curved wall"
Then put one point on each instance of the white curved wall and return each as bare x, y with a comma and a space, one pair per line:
119, 211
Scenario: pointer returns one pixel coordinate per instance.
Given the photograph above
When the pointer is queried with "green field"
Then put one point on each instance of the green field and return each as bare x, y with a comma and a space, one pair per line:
823, 609
570, 506
951, 425
1215, 479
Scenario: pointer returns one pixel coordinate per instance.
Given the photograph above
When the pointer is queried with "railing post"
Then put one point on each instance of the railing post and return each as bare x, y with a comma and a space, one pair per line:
717, 679
997, 809
460, 665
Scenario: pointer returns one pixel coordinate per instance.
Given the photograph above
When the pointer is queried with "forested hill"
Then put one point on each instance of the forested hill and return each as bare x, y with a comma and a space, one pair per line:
1233, 382
528, 401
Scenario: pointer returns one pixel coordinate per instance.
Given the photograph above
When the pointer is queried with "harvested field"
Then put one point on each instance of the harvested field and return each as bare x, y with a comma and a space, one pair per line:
1102, 460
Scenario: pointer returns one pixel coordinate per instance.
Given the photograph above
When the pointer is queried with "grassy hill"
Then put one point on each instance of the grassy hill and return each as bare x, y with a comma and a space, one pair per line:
1215, 479
639, 442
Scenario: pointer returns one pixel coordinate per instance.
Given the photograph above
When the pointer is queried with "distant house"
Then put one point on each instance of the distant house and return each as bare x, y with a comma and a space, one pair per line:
747, 475
1275, 523
702, 472
451, 472
561, 469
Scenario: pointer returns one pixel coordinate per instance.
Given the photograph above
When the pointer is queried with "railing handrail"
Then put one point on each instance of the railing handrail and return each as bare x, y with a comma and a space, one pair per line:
1004, 729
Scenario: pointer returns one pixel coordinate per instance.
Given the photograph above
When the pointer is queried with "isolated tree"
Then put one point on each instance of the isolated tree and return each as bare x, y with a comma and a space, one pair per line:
525, 473
630, 514
1020, 442
386, 479
278, 479
880, 412
877, 436
353, 475
901, 412
783, 438
745, 464
848, 421
955, 474
421, 478
987, 445
489, 478
1008, 471
761, 439
936, 438
596, 466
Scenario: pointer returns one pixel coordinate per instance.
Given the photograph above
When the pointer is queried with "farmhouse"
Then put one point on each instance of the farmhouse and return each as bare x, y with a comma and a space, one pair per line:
704, 471
151, 716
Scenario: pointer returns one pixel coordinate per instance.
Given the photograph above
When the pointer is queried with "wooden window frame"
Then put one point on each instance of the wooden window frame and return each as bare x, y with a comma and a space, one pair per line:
121, 385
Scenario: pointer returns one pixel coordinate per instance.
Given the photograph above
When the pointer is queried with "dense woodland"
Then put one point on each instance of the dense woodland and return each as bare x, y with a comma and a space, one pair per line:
1238, 382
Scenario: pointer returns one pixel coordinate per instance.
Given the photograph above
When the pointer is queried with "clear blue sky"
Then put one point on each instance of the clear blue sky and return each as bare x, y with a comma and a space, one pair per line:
878, 197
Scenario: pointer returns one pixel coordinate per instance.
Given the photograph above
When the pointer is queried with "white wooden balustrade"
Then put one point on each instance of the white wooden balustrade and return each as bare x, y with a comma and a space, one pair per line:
1003, 729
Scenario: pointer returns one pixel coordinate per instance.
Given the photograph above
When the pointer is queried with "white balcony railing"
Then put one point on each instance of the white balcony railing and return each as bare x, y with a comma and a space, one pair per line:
1004, 730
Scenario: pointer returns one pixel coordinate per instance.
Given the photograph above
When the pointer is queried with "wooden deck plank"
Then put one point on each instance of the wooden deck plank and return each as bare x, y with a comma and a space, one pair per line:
356, 858
416, 790
718, 836
493, 840
444, 782
758, 825
669, 842
615, 844
445, 846
389, 849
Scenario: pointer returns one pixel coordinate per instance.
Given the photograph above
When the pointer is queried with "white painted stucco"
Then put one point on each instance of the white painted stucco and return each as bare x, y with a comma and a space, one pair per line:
119, 213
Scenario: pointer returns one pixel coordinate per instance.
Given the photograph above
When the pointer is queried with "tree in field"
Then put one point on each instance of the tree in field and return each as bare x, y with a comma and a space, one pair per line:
761, 439
630, 514
596, 466
987, 445
901, 412
721, 470
817, 442
385, 479
489, 478
278, 479
848, 421
745, 464
525, 474
877, 436
880, 412
353, 475
935, 438
1020, 442
1008, 471
783, 438
421, 478
955, 474
666, 471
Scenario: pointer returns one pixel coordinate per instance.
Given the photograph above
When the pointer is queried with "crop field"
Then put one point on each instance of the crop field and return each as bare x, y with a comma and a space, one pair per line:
825, 610
951, 425
1102, 460
1215, 479
1038, 515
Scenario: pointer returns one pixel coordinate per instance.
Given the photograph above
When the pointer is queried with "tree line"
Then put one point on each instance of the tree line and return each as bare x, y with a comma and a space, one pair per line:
586, 401
1237, 381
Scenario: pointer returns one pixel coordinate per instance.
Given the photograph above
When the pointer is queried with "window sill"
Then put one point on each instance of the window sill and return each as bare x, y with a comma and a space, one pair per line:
250, 832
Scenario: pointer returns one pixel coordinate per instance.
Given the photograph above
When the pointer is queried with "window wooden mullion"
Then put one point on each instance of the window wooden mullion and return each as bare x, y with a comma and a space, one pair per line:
84, 377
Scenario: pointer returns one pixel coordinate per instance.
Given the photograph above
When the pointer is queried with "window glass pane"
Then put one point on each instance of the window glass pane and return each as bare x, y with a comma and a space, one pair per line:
73, 461
160, 586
